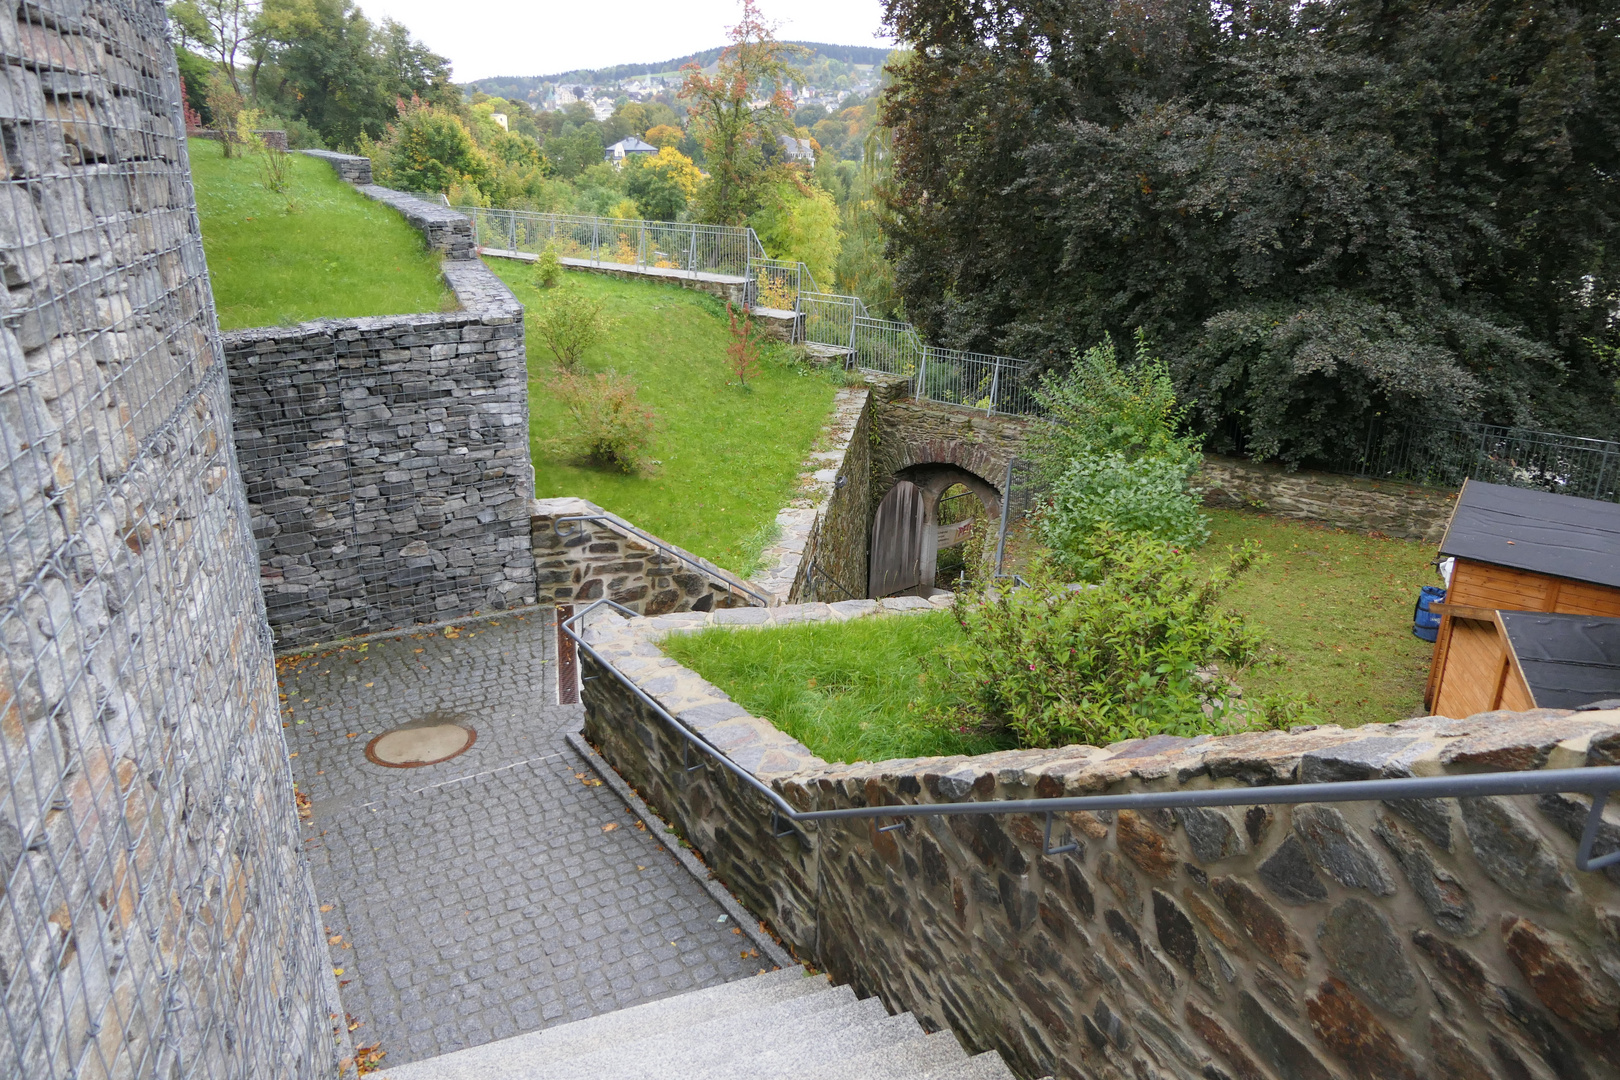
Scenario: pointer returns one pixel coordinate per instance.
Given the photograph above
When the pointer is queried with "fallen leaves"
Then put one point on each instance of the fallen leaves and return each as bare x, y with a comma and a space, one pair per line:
306, 810
610, 828
587, 780
367, 1058
325, 908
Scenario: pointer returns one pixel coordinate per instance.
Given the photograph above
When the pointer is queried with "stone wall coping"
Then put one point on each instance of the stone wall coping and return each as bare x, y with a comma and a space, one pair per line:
1420, 746
414, 207
1364, 483
796, 522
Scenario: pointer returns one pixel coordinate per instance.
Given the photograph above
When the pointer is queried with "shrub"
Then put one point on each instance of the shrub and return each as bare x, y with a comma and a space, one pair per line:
1149, 496
1098, 406
548, 269
1134, 654
609, 424
743, 349
569, 323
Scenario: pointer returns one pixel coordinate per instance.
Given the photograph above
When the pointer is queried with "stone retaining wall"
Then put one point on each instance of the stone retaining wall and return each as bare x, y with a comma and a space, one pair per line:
1406, 511
156, 917
351, 167
387, 460
820, 549
576, 562
444, 229
1440, 939
274, 138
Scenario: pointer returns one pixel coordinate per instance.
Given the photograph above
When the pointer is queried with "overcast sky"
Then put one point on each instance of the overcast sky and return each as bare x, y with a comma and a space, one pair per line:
542, 37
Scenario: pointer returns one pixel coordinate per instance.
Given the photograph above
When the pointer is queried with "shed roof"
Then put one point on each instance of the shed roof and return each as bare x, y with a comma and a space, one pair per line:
1567, 660
1536, 531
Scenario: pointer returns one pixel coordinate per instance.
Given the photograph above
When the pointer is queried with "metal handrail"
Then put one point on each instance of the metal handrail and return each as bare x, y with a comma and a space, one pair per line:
1596, 781
624, 526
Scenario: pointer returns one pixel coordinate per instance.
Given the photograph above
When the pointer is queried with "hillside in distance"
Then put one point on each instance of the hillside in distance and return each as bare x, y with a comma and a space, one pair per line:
522, 86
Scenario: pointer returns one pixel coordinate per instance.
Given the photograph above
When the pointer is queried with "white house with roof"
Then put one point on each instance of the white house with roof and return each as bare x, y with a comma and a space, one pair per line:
625, 148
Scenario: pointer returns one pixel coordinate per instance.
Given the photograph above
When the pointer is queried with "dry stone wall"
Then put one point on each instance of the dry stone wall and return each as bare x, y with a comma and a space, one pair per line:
1405, 511
156, 919
1442, 939
576, 562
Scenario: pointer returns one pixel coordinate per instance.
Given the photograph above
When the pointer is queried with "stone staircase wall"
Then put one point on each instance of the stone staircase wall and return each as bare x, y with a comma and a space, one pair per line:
1438, 938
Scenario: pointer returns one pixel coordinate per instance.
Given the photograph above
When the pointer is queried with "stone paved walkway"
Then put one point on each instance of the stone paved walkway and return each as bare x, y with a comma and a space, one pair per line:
484, 896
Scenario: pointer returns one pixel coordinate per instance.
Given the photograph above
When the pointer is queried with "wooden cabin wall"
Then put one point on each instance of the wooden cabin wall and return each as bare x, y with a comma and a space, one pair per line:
1472, 671
1486, 585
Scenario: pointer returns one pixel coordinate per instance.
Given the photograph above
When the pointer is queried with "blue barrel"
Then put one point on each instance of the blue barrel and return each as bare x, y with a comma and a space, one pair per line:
1425, 621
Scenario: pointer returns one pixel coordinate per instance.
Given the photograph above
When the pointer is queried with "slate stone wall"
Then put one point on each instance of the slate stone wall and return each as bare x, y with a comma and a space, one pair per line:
1451, 940
351, 167
576, 562
1406, 511
155, 914
387, 463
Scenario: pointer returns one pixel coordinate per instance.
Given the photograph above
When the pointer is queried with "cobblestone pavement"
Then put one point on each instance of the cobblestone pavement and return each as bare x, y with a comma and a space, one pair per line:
501, 891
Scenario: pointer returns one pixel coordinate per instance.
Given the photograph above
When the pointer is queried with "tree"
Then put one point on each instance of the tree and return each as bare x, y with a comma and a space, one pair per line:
732, 121
1323, 212
798, 221
663, 184
665, 135
222, 29
429, 149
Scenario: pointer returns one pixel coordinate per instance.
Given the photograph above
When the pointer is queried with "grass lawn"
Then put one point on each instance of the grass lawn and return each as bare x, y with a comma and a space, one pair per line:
729, 457
1338, 607
849, 691
340, 255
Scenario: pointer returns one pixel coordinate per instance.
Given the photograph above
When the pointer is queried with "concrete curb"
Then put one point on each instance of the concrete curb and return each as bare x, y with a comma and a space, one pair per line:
768, 950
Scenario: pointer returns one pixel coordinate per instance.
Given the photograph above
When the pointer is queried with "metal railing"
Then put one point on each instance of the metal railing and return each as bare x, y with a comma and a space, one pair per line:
713, 573
1596, 781
679, 248
990, 384
1446, 453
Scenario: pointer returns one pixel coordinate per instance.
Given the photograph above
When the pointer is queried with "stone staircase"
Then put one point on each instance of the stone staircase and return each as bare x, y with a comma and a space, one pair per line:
778, 1025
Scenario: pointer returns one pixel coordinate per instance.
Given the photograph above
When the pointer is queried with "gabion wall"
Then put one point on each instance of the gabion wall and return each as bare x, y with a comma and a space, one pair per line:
155, 918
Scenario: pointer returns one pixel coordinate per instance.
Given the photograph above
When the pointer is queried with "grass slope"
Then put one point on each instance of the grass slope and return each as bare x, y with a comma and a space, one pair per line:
730, 457
340, 255
1338, 607
849, 691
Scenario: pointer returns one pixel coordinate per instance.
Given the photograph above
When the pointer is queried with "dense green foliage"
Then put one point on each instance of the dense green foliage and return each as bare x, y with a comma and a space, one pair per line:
724, 460
1133, 654
1112, 456
337, 255
1320, 211
855, 691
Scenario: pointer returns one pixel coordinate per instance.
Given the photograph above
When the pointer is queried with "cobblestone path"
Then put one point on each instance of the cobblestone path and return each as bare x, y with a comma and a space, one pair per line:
495, 893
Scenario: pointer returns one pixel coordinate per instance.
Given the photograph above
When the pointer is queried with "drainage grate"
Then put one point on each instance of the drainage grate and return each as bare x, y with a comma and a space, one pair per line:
434, 738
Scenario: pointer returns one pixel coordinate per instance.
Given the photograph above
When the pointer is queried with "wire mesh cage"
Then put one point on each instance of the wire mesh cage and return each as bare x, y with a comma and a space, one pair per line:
155, 918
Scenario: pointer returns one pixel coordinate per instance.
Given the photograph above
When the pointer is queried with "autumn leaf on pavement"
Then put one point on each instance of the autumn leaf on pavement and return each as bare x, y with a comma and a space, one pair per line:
610, 828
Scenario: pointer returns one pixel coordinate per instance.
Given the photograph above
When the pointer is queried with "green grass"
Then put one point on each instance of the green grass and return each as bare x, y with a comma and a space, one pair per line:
729, 457
1337, 606
339, 255
850, 691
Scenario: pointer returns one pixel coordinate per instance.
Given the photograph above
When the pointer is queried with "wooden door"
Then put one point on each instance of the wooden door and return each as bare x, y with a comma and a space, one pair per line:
898, 542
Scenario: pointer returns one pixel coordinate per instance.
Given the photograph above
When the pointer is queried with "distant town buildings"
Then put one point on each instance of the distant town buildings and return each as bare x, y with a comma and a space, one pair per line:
797, 149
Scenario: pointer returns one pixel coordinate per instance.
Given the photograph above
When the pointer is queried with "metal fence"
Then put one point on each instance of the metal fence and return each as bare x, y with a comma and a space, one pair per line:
155, 917
1444, 454
680, 248
837, 324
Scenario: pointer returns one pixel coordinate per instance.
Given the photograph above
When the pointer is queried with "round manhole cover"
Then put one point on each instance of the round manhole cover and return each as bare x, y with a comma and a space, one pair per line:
426, 742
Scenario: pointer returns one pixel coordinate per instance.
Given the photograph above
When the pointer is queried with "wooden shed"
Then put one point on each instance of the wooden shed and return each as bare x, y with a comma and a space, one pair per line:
1516, 550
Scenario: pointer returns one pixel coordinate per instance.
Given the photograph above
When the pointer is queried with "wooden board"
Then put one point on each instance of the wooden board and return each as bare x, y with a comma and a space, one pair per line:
1475, 668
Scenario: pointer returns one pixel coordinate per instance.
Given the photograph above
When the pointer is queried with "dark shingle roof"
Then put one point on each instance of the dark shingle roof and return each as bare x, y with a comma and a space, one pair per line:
1568, 660
1536, 531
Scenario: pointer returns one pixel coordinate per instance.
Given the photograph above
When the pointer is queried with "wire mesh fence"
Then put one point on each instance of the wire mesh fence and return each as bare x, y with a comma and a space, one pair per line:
155, 919
1445, 454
